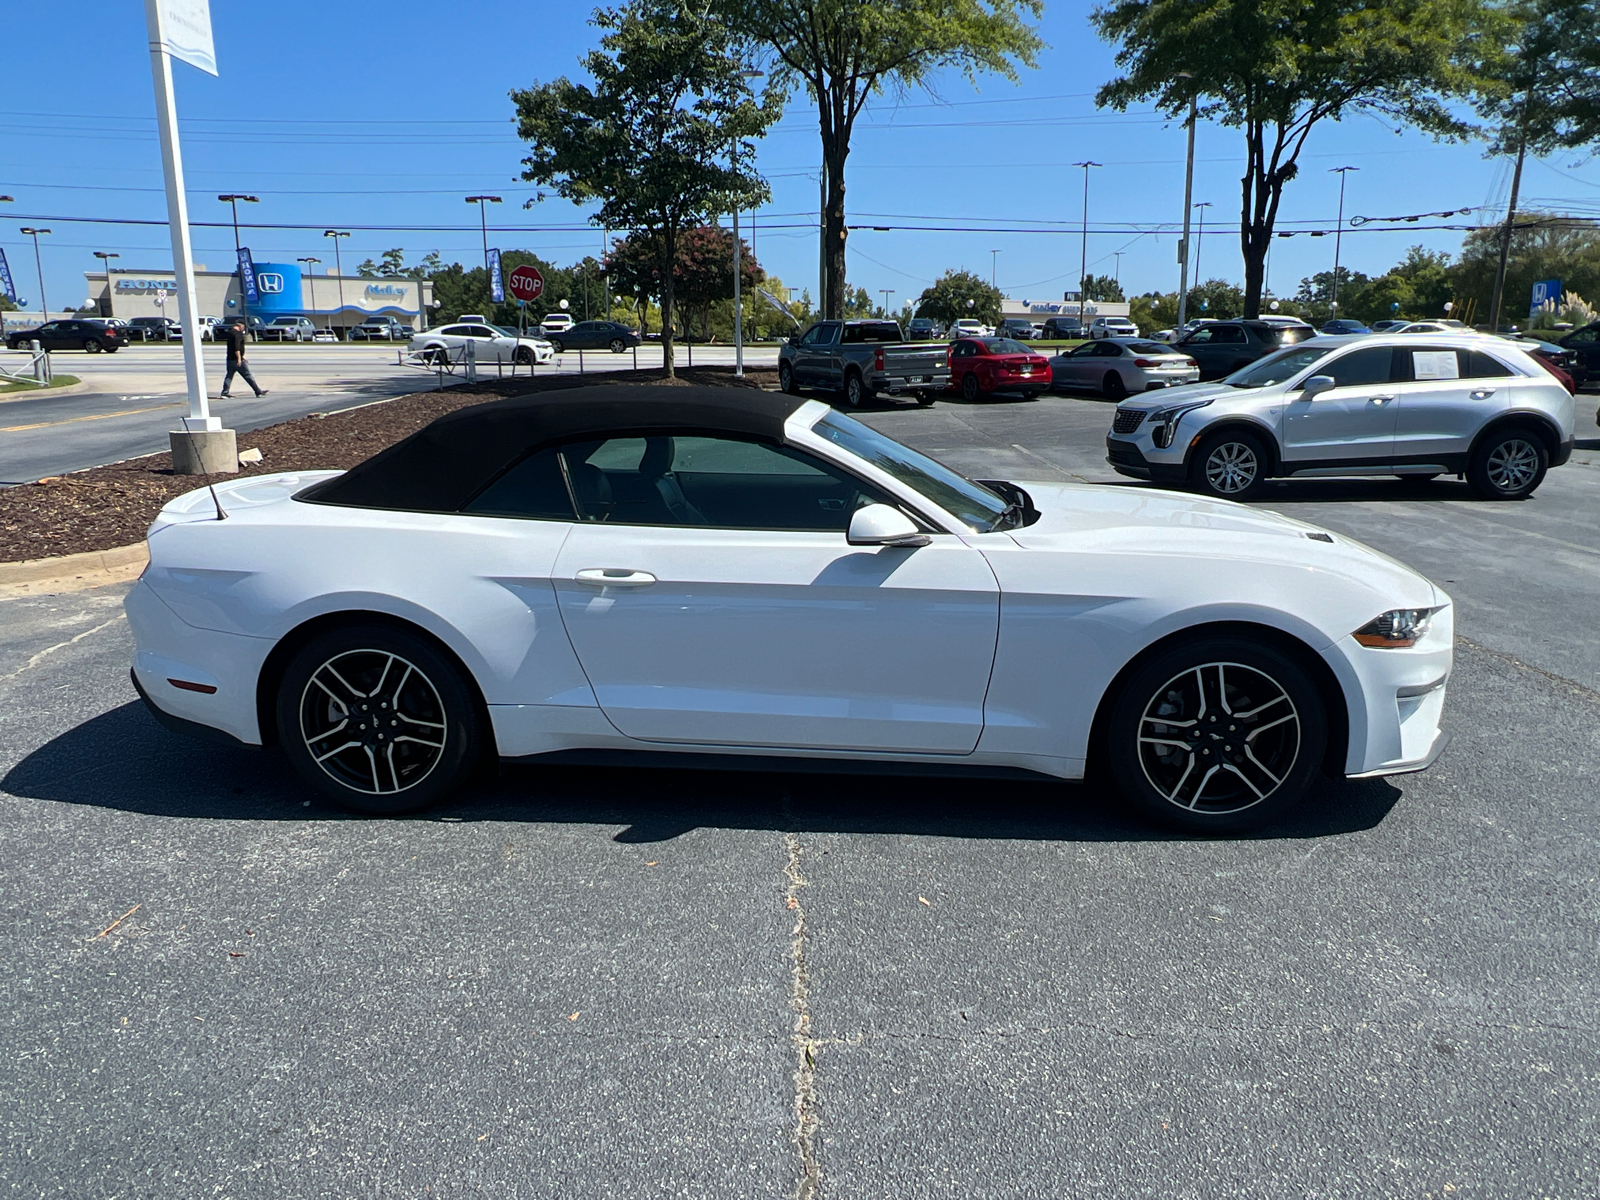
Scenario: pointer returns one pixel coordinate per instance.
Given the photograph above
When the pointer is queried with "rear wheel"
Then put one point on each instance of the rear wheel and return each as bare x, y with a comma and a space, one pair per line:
1113, 387
1230, 466
92, 346
1217, 736
555, 344
970, 391
618, 346
925, 399
786, 379
378, 720
436, 356
1509, 465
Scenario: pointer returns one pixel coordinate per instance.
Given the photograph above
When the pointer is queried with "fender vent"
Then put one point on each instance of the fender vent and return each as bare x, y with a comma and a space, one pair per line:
1321, 537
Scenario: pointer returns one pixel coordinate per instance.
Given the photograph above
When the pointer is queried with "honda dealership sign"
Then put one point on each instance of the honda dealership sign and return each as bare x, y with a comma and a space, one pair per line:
247, 277
7, 288
497, 287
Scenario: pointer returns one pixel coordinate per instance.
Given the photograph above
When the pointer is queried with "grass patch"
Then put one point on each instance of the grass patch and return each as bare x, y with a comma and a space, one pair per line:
57, 382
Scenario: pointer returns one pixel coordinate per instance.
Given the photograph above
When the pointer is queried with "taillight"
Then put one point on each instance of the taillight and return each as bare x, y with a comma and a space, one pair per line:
950, 358
877, 359
1145, 362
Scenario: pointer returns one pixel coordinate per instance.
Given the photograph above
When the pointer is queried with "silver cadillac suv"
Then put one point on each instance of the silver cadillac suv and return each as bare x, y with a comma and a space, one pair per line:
1417, 406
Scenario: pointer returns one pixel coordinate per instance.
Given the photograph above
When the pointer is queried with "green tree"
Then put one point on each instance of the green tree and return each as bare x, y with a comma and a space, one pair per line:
392, 265
662, 139
843, 52
1276, 69
1543, 246
1315, 296
1217, 299
947, 300
702, 273
1153, 311
1102, 287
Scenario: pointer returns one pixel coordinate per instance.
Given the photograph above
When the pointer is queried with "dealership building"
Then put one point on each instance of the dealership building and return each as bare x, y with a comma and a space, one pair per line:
331, 301
1038, 310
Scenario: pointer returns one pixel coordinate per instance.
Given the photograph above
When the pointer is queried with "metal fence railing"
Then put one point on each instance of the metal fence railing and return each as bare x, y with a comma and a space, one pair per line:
38, 369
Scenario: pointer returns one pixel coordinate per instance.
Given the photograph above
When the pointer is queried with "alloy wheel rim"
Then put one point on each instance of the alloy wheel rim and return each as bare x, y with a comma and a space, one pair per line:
1513, 464
373, 721
1218, 738
1231, 467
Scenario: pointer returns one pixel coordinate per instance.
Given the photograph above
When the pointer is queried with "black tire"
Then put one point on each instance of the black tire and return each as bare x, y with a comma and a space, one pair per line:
1239, 715
436, 356
555, 344
376, 673
1509, 464
971, 392
786, 379
925, 399
523, 357
618, 346
1230, 465
856, 392
1112, 386
91, 346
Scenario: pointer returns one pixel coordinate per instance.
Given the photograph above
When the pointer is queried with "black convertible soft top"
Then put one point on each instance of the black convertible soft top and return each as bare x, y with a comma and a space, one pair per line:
440, 468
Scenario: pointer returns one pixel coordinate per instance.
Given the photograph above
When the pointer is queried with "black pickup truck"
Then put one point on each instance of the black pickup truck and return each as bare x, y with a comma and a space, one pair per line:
861, 359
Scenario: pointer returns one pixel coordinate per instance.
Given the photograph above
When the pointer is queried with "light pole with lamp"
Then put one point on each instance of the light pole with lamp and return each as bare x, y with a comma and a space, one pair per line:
994, 259
738, 266
232, 200
44, 306
310, 263
1338, 233
887, 292
338, 267
105, 258
483, 203
1188, 197
1200, 241
1083, 264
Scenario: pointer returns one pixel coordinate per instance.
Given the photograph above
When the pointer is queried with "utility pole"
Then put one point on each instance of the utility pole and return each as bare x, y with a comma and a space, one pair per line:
1505, 239
1200, 241
994, 259
338, 269
1083, 264
887, 292
822, 242
1117, 254
38, 266
1338, 232
310, 263
233, 202
1188, 197
483, 220
105, 261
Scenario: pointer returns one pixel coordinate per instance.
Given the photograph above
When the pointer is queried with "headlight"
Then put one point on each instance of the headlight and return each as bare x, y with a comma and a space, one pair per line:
1165, 421
1396, 629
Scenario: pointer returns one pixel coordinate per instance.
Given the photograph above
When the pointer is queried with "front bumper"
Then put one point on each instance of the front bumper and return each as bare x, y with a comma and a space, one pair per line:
1127, 459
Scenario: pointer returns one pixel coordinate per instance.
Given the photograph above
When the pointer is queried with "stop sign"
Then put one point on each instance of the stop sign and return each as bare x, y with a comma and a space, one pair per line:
526, 283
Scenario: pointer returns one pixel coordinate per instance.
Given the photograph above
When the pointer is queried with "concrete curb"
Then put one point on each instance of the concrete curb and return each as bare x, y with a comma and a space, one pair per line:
73, 572
83, 385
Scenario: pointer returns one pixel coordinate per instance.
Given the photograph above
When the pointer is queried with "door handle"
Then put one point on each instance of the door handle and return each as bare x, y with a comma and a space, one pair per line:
1381, 399
1482, 393
615, 577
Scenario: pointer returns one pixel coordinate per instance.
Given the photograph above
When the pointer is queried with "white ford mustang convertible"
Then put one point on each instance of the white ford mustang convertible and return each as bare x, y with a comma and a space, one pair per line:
664, 574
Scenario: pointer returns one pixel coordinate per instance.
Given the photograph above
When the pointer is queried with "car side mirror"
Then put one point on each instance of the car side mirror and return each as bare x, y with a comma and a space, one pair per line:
881, 525
1316, 385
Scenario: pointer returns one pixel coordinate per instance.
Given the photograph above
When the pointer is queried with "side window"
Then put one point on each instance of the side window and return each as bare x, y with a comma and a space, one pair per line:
1230, 335
454, 331
1366, 367
811, 336
532, 490
711, 482
1475, 364
479, 331
1105, 349
1584, 337
1200, 337
1422, 363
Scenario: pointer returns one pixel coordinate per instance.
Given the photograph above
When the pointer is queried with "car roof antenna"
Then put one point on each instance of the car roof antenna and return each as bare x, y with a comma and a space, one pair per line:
221, 516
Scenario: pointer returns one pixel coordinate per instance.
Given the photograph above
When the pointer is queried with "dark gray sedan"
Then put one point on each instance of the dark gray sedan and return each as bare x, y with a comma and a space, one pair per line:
594, 335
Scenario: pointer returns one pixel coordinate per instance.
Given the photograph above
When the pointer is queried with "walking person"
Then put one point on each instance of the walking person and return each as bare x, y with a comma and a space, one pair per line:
235, 337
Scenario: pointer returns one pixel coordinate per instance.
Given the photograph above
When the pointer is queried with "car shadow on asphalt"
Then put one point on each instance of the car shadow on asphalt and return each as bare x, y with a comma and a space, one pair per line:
122, 760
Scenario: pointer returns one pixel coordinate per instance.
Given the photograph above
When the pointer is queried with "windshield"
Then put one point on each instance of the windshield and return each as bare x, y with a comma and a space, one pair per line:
1275, 368
1005, 346
971, 503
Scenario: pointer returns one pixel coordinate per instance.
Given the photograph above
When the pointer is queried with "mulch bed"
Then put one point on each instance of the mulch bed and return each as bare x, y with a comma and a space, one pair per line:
106, 507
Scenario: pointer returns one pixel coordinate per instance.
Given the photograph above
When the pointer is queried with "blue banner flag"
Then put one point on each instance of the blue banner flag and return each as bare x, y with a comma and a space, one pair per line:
497, 287
247, 277
6, 286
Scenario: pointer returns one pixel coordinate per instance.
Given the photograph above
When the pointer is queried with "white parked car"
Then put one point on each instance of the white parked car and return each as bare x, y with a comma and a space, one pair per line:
490, 343
759, 575
968, 327
1439, 326
1359, 404
1110, 327
1118, 367
208, 328
556, 322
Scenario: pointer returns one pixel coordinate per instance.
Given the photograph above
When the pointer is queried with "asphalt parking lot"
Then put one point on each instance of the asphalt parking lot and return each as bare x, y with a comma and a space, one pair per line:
636, 984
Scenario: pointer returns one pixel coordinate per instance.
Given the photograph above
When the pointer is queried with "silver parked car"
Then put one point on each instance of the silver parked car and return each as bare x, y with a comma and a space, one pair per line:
1118, 367
1406, 404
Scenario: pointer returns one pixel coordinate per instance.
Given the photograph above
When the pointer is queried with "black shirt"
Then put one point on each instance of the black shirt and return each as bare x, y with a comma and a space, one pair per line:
235, 339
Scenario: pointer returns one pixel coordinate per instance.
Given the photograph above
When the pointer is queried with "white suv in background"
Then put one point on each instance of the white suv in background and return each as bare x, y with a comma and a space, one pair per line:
556, 322
1110, 327
1412, 405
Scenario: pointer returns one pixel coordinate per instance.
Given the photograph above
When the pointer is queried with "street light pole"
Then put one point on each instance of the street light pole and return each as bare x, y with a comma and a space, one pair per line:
994, 259
338, 267
44, 306
483, 220
1083, 264
1188, 198
1200, 241
232, 201
311, 274
887, 292
105, 261
1338, 233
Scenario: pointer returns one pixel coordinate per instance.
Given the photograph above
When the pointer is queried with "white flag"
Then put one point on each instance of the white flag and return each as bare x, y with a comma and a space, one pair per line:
186, 32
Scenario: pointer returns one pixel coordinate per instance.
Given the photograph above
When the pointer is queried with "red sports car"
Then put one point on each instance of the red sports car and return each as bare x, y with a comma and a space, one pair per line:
984, 366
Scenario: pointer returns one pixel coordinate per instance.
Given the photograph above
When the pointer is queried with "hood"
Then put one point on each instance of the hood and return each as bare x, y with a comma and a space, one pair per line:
1184, 392
1098, 519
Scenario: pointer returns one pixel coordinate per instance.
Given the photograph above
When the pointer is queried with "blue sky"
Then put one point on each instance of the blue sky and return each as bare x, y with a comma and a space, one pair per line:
349, 115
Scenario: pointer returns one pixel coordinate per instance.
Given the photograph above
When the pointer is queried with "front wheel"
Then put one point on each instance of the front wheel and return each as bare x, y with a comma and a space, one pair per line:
1217, 736
856, 392
786, 379
1509, 465
523, 357
378, 720
1230, 466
